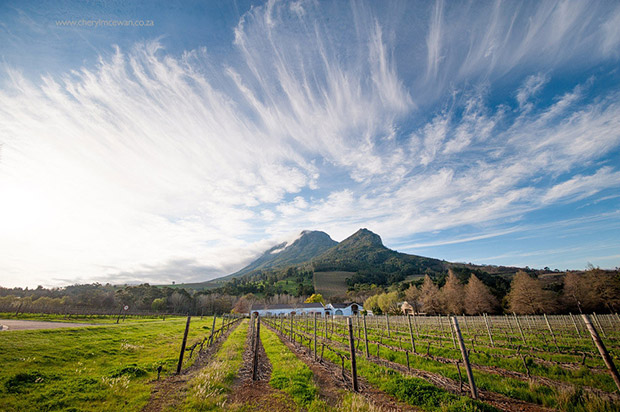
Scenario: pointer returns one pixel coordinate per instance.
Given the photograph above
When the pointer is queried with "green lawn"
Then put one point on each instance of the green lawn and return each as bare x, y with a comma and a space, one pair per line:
102, 368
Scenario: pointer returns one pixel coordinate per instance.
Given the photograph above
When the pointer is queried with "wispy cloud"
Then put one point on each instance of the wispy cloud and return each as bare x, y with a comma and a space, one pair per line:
166, 162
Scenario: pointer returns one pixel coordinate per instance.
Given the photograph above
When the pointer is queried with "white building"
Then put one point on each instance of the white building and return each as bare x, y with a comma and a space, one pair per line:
343, 309
287, 309
331, 309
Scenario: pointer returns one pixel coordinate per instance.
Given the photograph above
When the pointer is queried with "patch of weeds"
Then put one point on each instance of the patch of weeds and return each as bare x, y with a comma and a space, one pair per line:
130, 370
23, 381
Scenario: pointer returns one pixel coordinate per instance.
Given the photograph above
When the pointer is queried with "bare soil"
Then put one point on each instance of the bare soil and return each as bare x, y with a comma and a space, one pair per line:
258, 395
13, 324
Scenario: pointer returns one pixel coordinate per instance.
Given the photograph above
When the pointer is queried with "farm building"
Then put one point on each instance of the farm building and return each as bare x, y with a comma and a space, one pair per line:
406, 308
331, 309
343, 309
287, 309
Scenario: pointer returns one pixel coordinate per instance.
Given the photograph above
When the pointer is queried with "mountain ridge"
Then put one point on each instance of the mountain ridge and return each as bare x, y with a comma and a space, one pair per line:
309, 244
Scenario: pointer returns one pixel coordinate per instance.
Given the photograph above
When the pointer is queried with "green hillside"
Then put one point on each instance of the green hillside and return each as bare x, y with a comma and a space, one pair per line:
364, 253
302, 250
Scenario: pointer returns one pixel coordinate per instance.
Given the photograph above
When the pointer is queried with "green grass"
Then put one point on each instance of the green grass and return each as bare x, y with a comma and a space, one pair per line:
414, 391
82, 318
514, 388
331, 284
209, 390
103, 368
289, 374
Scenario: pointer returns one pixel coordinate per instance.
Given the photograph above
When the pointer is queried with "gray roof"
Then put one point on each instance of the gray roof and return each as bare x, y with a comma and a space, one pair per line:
344, 305
288, 306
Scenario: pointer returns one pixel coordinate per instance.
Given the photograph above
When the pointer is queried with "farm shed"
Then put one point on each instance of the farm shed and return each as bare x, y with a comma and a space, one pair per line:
343, 309
287, 309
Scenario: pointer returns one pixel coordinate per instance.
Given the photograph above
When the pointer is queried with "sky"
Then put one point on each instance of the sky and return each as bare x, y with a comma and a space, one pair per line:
176, 141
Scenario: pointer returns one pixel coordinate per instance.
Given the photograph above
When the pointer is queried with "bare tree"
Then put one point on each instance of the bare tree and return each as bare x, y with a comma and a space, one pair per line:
603, 289
430, 297
179, 302
575, 292
527, 295
452, 294
478, 297
412, 296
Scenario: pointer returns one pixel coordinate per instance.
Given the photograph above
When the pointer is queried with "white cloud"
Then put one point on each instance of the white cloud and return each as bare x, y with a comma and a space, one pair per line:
531, 86
152, 161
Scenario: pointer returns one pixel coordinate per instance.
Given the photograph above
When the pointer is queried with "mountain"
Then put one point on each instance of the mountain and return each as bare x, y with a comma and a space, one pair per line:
302, 250
364, 251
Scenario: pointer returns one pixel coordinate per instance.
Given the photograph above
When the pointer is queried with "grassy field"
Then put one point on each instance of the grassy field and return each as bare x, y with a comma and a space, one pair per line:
110, 367
330, 284
102, 368
81, 318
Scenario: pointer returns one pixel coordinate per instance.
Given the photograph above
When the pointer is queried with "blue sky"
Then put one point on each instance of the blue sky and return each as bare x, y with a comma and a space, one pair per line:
181, 147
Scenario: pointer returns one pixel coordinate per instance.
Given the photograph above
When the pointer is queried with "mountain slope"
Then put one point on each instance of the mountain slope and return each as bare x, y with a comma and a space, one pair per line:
309, 245
364, 251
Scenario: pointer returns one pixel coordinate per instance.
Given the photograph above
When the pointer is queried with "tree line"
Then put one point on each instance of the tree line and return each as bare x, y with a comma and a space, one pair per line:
595, 290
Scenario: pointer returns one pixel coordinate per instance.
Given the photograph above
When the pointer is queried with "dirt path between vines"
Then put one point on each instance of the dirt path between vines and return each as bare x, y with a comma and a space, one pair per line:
171, 391
331, 383
250, 395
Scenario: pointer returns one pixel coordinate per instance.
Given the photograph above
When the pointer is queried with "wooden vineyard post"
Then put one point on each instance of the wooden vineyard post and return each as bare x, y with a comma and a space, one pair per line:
465, 320
252, 329
575, 324
325, 326
452, 333
415, 323
411, 334
256, 343
598, 322
470, 375
315, 336
292, 337
212, 330
366, 337
387, 322
183, 345
602, 350
486, 321
519, 326
352, 350
508, 322
551, 330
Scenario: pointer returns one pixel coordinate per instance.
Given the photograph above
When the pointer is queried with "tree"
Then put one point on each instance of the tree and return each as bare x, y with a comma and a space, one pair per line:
244, 303
158, 304
430, 298
478, 297
388, 302
575, 293
179, 302
372, 303
452, 294
315, 298
412, 296
603, 289
527, 295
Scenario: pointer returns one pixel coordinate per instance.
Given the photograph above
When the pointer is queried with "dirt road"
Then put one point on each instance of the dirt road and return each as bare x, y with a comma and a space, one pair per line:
12, 324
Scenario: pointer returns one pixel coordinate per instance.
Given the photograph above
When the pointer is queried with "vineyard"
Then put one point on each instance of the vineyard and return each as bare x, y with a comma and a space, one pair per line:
314, 363
517, 363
